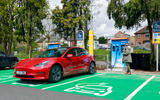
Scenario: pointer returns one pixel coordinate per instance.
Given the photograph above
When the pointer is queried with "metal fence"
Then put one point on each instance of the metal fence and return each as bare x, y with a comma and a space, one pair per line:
102, 57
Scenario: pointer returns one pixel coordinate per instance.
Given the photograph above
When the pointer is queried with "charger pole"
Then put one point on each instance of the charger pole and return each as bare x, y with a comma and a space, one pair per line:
157, 59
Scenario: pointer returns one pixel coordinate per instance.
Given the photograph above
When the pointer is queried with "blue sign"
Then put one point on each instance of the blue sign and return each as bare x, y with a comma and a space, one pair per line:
80, 36
156, 26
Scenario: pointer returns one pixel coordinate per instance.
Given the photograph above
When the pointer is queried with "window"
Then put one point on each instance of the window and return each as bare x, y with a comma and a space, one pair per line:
2, 54
139, 35
121, 35
58, 52
117, 35
72, 51
147, 35
81, 52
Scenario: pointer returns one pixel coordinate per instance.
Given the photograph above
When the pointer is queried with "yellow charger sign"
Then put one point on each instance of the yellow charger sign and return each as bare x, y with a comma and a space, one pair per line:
91, 38
156, 38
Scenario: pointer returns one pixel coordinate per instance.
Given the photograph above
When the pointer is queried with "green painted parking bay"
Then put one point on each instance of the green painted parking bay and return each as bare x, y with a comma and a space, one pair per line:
102, 85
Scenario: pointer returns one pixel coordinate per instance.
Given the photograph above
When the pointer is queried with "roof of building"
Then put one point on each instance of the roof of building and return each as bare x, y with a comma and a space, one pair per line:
143, 30
54, 43
119, 32
119, 38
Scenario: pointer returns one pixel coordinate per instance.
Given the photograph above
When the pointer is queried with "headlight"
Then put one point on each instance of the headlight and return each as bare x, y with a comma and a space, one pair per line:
42, 64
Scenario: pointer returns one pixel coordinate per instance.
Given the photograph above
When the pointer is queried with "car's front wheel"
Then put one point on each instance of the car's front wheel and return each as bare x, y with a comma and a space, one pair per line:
55, 74
92, 68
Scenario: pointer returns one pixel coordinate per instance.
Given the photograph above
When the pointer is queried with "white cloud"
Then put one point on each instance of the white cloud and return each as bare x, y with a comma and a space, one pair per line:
54, 3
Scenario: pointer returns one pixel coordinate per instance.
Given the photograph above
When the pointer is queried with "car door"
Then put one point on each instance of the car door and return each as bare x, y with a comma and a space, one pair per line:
84, 59
71, 63
3, 60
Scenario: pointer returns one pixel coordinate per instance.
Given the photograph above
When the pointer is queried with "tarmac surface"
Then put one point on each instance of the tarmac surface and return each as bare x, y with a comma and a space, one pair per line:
138, 72
10, 92
102, 68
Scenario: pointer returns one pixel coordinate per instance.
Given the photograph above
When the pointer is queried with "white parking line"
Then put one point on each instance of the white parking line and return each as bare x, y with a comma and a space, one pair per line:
9, 80
6, 73
139, 88
6, 77
70, 82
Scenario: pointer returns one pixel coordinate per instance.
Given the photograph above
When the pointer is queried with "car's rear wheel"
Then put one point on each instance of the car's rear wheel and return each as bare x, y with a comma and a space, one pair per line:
55, 74
92, 68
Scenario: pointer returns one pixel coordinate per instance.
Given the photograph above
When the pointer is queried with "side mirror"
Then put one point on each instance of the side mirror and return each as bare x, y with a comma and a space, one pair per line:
70, 55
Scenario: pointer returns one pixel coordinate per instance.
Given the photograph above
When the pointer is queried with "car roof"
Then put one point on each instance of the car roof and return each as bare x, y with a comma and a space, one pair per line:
1, 52
65, 47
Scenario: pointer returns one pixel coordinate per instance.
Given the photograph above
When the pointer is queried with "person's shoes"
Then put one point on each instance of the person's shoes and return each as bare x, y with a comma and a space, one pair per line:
129, 73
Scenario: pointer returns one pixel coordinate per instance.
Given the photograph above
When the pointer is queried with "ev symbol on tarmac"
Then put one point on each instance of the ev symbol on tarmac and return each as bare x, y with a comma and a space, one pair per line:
98, 89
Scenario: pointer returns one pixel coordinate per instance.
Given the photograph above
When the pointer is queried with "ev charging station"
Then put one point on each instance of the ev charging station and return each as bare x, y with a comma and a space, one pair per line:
117, 46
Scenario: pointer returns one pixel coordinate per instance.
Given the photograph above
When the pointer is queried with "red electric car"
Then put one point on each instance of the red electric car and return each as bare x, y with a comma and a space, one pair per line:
53, 64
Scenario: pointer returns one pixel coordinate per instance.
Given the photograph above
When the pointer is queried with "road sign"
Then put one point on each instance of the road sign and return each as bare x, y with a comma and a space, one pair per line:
156, 38
80, 35
156, 26
80, 39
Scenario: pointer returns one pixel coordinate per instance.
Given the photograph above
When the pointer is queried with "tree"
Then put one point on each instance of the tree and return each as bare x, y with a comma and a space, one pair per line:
29, 20
6, 24
74, 16
134, 12
102, 40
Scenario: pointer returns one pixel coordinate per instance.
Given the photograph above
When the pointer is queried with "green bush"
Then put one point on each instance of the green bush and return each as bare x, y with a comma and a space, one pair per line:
141, 51
23, 55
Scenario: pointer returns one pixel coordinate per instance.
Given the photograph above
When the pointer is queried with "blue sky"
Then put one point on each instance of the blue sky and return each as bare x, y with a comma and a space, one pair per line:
100, 23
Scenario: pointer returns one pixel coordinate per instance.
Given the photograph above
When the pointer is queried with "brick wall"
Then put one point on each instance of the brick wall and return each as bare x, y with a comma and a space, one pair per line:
121, 35
141, 39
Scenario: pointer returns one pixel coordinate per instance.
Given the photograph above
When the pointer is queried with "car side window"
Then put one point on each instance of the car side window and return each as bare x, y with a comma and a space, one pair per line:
2, 54
81, 52
72, 51
86, 52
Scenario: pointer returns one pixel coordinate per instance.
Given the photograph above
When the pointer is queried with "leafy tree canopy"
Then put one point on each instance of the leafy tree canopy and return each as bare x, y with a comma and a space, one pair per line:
74, 16
102, 40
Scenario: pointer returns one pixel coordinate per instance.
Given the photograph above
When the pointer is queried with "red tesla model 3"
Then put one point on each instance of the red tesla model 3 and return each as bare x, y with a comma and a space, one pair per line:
53, 64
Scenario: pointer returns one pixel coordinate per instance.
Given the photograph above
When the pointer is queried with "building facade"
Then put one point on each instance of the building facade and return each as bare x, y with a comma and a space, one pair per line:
142, 37
123, 35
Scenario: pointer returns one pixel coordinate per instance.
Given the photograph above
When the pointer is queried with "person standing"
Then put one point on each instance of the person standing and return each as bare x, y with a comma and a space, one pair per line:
127, 57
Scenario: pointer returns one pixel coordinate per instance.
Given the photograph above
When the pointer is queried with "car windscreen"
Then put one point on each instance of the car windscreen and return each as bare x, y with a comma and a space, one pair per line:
52, 53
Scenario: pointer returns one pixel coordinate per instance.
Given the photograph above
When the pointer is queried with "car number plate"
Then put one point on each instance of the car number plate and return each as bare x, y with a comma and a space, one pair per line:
21, 72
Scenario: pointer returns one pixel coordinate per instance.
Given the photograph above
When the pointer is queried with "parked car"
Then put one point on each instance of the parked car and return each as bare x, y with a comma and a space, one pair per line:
53, 64
7, 61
